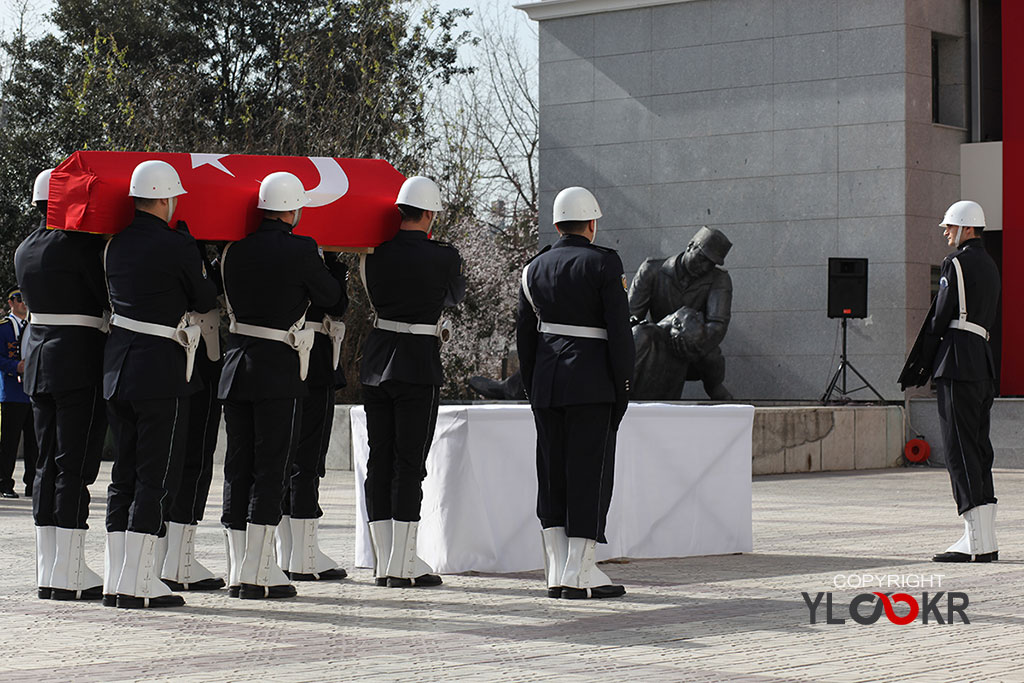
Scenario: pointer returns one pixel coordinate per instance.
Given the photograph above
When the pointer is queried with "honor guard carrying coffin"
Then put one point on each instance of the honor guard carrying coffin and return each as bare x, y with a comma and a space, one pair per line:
62, 283
298, 545
271, 277
576, 356
156, 276
408, 280
182, 571
953, 346
15, 408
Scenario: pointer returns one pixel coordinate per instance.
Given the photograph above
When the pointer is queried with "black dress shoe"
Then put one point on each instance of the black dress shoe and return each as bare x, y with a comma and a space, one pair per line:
987, 557
421, 581
132, 602
109, 600
233, 591
44, 593
335, 574
951, 556
381, 580
555, 592
8, 493
213, 583
596, 592
250, 591
94, 593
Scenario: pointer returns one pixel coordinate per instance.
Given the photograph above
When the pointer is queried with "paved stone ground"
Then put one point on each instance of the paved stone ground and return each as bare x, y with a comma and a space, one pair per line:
737, 617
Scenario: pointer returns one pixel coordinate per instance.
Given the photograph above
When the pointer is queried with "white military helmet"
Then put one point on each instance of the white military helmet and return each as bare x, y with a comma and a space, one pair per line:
155, 179
576, 204
966, 214
421, 193
41, 188
282, 191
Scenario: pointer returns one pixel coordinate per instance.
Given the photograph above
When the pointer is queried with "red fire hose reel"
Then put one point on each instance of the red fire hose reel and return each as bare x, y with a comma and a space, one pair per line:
917, 450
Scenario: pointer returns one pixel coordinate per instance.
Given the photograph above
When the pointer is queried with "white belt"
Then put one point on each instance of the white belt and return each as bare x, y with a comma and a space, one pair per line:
574, 330
71, 320
335, 330
297, 337
969, 327
442, 330
184, 334
558, 328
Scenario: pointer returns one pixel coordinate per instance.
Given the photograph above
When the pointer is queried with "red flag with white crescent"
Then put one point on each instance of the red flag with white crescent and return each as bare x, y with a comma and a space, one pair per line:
352, 207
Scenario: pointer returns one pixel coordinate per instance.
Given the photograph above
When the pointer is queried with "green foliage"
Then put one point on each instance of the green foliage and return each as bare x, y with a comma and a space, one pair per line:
242, 76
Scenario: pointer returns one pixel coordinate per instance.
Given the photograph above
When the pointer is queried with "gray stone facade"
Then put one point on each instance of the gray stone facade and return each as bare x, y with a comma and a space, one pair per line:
801, 128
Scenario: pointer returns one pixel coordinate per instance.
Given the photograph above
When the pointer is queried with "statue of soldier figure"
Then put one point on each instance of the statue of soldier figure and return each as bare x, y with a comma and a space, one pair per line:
680, 309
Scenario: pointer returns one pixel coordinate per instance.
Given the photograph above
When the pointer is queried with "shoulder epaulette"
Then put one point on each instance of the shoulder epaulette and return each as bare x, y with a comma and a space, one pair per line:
607, 250
542, 251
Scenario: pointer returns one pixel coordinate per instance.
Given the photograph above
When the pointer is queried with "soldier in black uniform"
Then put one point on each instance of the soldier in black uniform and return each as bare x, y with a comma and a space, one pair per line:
409, 280
576, 355
155, 276
298, 542
956, 335
271, 277
62, 281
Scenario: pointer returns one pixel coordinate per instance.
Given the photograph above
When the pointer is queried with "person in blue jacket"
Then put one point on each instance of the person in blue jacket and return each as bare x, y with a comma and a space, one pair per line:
15, 409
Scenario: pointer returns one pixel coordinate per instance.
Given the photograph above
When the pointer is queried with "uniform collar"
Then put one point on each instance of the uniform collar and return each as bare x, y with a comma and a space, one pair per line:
149, 219
571, 240
412, 235
275, 224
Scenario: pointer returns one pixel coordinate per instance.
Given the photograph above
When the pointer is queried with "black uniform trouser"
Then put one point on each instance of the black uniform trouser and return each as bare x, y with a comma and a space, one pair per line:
261, 441
15, 422
964, 409
302, 486
400, 421
197, 468
70, 428
575, 468
149, 445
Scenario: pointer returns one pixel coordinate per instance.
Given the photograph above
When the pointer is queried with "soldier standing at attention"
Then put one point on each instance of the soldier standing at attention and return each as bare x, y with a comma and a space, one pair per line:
408, 280
576, 355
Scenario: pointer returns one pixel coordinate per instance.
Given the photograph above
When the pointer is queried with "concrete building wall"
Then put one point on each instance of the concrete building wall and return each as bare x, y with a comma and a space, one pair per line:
800, 128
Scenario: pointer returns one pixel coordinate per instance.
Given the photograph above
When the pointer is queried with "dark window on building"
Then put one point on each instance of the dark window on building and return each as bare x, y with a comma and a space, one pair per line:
990, 70
949, 80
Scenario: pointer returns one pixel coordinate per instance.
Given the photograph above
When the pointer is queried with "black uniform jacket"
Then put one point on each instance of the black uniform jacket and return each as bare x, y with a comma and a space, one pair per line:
271, 276
155, 275
61, 271
410, 279
950, 353
963, 355
321, 358
575, 283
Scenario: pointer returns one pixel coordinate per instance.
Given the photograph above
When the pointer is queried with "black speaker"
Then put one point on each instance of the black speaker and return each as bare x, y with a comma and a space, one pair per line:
847, 288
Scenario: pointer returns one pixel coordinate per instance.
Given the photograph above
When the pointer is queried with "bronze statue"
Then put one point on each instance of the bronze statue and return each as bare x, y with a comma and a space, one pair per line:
680, 309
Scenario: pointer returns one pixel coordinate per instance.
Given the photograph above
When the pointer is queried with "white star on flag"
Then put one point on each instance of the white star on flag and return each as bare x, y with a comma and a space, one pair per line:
212, 160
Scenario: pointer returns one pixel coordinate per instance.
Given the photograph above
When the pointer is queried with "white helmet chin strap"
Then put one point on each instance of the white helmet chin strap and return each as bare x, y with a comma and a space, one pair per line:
959, 234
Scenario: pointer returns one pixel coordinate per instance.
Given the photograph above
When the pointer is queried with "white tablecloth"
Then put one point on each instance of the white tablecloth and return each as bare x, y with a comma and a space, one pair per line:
682, 486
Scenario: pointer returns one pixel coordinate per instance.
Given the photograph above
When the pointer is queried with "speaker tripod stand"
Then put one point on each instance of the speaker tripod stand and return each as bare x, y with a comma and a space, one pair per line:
839, 388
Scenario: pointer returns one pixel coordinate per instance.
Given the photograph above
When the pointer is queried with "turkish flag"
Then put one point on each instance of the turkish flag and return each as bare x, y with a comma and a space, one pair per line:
352, 207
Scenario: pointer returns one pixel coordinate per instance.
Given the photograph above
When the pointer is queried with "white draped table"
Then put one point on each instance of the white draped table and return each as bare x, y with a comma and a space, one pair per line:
682, 486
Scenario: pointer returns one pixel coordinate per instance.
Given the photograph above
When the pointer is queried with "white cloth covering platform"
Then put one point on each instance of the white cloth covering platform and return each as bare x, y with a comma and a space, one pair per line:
682, 486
